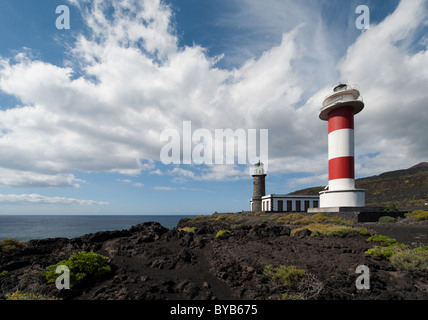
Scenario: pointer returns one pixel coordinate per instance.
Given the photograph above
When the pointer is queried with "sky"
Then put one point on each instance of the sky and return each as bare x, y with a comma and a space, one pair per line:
91, 114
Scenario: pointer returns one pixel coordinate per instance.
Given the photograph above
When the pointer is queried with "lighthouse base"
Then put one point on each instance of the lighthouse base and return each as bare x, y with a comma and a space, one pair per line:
342, 198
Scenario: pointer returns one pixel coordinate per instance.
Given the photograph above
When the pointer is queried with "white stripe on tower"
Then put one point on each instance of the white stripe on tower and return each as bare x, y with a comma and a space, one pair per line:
341, 149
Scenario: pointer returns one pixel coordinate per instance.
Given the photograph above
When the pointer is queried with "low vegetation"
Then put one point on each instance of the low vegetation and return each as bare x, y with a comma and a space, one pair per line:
286, 275
82, 265
188, 229
387, 219
301, 219
411, 259
330, 230
297, 283
222, 234
320, 224
418, 215
18, 295
399, 254
384, 240
390, 207
8, 246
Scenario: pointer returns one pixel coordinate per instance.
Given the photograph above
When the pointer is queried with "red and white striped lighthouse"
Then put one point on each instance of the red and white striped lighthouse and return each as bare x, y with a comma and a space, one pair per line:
339, 109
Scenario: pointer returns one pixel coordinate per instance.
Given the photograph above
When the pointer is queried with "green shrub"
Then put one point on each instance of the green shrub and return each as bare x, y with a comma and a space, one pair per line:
188, 229
390, 207
287, 275
387, 219
390, 246
82, 265
8, 246
384, 252
363, 231
17, 295
418, 215
222, 234
411, 260
387, 241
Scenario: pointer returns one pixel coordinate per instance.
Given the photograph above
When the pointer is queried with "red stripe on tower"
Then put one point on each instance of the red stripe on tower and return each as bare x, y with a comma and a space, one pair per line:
341, 168
341, 118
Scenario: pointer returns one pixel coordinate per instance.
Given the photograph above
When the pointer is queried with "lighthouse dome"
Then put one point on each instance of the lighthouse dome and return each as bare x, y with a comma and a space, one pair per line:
343, 94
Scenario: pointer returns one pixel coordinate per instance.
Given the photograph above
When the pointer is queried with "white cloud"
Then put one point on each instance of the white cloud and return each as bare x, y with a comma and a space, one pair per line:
128, 181
124, 180
21, 178
393, 81
39, 199
138, 185
160, 188
318, 180
127, 81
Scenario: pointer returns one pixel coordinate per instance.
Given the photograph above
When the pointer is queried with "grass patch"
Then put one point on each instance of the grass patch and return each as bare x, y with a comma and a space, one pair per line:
320, 217
384, 240
417, 215
329, 230
18, 295
293, 219
286, 275
384, 252
363, 232
222, 234
188, 229
301, 219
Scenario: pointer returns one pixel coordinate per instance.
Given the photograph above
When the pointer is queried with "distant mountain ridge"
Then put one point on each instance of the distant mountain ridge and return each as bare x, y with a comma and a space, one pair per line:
408, 188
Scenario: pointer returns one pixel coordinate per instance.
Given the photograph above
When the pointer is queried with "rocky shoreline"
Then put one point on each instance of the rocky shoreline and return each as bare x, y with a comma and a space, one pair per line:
191, 261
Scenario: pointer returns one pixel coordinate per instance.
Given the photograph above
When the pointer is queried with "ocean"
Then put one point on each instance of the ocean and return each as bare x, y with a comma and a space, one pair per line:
28, 227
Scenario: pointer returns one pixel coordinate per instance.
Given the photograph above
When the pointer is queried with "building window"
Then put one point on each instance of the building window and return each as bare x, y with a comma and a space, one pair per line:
315, 204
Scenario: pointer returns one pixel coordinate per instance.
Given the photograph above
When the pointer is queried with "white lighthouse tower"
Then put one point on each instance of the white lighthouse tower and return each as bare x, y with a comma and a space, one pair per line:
339, 109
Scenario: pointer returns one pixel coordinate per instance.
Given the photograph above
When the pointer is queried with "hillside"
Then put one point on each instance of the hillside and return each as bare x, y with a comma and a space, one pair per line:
406, 187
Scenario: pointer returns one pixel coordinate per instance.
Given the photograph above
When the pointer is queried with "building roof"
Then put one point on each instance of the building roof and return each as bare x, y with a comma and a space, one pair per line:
290, 196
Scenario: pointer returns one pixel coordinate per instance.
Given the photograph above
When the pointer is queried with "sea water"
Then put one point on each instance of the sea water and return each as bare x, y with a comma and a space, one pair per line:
28, 227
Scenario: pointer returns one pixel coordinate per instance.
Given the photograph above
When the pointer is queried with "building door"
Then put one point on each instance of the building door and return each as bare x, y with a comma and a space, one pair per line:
306, 205
280, 205
298, 206
289, 205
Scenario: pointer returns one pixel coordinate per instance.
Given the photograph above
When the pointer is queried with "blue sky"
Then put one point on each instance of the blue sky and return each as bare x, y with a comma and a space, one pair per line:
82, 109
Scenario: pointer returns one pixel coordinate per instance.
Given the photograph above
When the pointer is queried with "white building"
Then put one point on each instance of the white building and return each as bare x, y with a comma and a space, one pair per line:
289, 203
